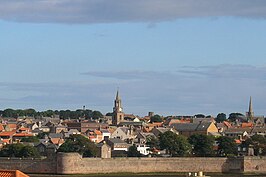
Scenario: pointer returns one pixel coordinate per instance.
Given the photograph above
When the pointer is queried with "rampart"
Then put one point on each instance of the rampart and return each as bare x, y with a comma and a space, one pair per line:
29, 165
73, 163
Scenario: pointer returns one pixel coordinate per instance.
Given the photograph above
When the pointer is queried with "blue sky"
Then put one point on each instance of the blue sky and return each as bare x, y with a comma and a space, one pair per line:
173, 57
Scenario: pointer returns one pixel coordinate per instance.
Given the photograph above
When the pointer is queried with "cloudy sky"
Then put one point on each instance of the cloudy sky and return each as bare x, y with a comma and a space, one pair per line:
173, 57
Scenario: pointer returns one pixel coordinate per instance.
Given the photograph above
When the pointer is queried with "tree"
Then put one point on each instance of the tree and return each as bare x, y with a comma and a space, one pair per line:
156, 118
133, 152
226, 146
258, 142
153, 142
199, 116
220, 117
202, 145
80, 144
96, 115
235, 116
29, 151
175, 145
19, 150
32, 139
109, 114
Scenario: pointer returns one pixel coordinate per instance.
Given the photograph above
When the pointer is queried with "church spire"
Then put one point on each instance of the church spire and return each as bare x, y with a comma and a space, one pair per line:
117, 95
250, 113
118, 115
250, 105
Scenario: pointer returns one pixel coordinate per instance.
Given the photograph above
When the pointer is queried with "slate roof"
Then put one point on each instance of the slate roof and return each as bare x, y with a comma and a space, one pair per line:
203, 126
131, 123
56, 135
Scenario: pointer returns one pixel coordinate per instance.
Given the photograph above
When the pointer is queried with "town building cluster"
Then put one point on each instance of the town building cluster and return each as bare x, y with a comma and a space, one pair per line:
120, 131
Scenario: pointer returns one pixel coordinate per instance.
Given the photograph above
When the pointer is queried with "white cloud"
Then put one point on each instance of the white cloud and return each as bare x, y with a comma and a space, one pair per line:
108, 11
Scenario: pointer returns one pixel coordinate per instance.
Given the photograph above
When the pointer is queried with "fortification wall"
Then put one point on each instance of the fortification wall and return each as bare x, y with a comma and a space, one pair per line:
72, 163
29, 165
255, 164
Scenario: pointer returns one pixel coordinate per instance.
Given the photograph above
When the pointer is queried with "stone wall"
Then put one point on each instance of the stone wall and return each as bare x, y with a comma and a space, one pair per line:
29, 165
255, 164
72, 163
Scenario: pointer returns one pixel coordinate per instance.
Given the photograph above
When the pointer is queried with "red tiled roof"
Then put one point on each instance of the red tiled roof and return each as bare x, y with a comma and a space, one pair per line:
57, 141
12, 173
238, 141
24, 129
13, 126
7, 133
7, 141
97, 132
246, 124
227, 124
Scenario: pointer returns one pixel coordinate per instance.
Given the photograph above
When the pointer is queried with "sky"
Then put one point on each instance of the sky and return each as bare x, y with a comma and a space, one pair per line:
171, 57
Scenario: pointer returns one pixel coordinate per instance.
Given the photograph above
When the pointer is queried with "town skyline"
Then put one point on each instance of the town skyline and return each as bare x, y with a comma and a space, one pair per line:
166, 56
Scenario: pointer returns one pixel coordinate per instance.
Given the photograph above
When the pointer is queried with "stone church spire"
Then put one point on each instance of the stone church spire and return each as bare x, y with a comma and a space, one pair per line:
118, 115
250, 113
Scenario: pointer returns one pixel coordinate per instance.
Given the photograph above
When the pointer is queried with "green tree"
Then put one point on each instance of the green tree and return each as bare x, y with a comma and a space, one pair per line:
202, 145
80, 144
175, 145
30, 112
153, 142
29, 151
235, 116
220, 117
19, 150
32, 139
199, 116
156, 118
96, 115
9, 113
226, 146
109, 114
133, 152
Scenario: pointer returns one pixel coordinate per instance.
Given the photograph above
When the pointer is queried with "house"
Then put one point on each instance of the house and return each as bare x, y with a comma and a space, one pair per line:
46, 148
160, 130
199, 120
223, 126
95, 135
7, 136
85, 126
123, 133
238, 133
143, 149
171, 121
148, 127
104, 149
117, 144
206, 128
71, 132
10, 126
105, 133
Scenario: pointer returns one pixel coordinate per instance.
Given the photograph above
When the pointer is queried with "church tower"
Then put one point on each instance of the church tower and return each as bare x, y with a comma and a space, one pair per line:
250, 113
118, 115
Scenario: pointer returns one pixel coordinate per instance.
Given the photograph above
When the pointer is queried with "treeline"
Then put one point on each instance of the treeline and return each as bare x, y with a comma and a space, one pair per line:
62, 114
